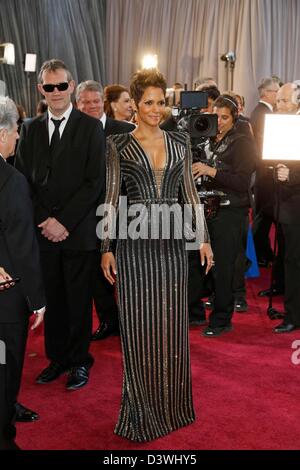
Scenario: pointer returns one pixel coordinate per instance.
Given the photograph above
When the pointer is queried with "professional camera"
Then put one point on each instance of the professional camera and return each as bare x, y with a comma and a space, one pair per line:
201, 126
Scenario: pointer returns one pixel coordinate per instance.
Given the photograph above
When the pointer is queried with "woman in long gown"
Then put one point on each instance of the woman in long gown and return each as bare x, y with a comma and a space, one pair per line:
154, 167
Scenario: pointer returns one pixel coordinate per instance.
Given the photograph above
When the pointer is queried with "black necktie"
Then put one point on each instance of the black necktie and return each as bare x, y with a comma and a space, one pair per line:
55, 139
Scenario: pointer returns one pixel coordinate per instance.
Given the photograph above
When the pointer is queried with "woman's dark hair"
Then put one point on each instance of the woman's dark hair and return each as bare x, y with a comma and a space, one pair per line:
112, 93
230, 102
143, 79
42, 107
212, 92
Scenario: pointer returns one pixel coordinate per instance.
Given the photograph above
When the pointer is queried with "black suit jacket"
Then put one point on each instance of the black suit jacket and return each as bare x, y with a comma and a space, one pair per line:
264, 186
290, 197
71, 184
257, 120
112, 126
19, 251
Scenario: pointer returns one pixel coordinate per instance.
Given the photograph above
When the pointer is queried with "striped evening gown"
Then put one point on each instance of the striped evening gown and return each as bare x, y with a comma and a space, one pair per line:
152, 291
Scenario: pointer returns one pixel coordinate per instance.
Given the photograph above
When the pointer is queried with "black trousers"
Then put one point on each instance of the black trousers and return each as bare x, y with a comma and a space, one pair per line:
292, 272
261, 229
69, 278
13, 338
241, 265
226, 232
104, 298
195, 287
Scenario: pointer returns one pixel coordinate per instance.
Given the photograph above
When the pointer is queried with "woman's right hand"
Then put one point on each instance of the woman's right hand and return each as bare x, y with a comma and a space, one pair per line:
108, 265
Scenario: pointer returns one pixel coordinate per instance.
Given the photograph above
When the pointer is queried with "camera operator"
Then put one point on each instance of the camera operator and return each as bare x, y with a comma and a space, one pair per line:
232, 159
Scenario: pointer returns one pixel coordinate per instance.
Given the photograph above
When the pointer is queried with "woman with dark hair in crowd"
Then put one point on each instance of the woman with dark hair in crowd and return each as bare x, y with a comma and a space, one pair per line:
154, 167
231, 157
117, 103
42, 107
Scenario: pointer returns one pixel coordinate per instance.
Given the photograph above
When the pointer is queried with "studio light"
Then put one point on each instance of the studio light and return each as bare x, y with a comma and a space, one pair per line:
149, 61
229, 57
7, 53
281, 137
30, 63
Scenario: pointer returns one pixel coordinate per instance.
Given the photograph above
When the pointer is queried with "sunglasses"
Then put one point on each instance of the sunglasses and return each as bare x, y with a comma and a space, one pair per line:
49, 87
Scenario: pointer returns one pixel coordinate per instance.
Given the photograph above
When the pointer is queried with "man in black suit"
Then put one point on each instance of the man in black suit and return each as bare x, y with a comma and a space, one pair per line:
62, 155
264, 186
89, 100
288, 102
289, 218
19, 255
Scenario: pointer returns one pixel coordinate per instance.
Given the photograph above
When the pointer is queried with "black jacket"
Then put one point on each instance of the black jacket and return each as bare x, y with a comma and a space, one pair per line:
290, 197
70, 186
19, 251
112, 126
234, 157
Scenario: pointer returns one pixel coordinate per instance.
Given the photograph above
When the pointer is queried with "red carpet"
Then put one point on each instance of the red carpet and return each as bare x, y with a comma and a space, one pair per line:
245, 391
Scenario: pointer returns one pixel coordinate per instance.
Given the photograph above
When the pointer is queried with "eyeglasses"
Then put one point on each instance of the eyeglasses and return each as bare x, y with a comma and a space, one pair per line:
49, 87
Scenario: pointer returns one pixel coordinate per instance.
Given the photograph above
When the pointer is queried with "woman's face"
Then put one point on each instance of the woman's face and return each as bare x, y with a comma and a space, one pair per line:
123, 107
151, 107
225, 119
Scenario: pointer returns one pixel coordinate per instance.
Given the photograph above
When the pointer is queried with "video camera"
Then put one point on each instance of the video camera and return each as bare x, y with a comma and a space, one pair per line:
198, 125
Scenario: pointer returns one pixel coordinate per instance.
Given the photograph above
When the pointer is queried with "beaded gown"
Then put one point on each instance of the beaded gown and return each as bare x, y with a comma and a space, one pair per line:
152, 291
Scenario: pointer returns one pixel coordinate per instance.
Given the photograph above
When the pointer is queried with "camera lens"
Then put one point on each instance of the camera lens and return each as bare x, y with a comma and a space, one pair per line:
202, 124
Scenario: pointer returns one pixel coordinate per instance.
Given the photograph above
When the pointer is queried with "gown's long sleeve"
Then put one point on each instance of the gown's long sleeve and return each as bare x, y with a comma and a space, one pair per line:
113, 181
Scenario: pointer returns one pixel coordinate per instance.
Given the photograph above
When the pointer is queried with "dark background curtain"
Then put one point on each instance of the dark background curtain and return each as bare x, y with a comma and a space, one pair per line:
71, 30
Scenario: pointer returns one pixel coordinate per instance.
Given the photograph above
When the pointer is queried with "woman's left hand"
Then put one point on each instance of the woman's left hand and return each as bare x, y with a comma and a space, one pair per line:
207, 255
200, 169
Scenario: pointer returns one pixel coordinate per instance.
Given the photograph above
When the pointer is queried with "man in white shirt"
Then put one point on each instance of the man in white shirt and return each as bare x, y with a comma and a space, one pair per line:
62, 155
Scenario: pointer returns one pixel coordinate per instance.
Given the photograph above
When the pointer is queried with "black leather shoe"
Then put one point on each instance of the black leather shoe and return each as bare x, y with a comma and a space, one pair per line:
25, 415
104, 331
267, 292
217, 331
284, 328
52, 372
78, 377
240, 305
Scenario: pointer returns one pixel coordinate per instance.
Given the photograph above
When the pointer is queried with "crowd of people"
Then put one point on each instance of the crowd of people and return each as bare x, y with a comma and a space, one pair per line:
72, 159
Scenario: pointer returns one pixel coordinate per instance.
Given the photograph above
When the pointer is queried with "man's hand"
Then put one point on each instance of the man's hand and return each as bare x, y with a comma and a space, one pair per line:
4, 277
283, 172
53, 230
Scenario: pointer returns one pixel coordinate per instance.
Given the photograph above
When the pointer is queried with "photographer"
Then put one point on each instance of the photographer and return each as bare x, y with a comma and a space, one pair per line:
231, 157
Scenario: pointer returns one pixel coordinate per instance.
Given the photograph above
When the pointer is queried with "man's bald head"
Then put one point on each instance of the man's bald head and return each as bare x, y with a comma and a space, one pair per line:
286, 101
